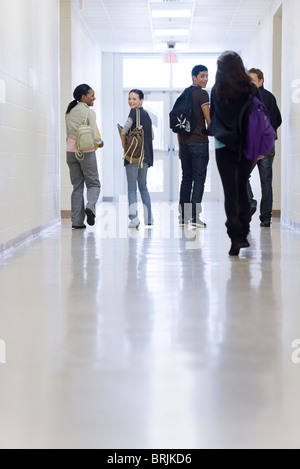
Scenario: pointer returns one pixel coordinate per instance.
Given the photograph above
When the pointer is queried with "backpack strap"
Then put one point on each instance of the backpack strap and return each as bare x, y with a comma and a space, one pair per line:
79, 154
138, 118
138, 124
243, 120
85, 122
243, 112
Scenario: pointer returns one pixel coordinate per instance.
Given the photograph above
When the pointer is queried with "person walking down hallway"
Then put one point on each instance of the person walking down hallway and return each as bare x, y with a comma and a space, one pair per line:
137, 172
265, 166
194, 153
83, 170
229, 94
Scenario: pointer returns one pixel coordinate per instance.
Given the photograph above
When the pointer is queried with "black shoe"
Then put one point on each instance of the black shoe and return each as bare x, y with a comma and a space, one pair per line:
235, 250
90, 217
245, 244
237, 245
265, 224
82, 227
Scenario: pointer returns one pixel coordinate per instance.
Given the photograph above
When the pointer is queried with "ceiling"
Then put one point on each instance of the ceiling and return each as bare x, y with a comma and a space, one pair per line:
212, 25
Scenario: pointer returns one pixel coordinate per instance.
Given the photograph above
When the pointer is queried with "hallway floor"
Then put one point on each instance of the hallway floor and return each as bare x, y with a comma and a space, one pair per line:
151, 339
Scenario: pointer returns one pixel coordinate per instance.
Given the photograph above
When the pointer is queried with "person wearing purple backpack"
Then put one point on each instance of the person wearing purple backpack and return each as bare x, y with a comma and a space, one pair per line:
228, 98
265, 166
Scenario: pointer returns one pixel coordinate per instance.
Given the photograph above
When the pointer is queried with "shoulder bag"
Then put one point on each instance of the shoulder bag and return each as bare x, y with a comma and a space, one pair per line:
134, 143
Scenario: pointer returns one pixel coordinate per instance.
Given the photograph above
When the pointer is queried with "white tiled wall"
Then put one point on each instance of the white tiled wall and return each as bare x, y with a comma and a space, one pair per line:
260, 51
291, 103
259, 54
29, 117
80, 63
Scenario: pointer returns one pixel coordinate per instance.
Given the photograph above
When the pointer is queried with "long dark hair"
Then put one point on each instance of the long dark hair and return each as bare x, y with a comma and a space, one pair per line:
231, 80
78, 93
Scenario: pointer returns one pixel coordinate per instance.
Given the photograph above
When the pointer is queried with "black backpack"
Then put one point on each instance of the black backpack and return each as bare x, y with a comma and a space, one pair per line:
182, 117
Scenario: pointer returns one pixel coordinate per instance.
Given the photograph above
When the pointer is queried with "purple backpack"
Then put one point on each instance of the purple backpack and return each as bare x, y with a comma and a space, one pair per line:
260, 134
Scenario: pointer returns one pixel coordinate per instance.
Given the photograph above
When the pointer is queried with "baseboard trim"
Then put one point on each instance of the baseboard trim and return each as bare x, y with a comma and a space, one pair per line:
24, 238
291, 224
66, 214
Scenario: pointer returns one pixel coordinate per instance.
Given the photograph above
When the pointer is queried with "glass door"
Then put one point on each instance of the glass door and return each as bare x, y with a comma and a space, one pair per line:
159, 177
163, 178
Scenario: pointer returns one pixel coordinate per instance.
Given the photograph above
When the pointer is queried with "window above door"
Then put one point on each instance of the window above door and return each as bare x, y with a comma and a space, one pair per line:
150, 72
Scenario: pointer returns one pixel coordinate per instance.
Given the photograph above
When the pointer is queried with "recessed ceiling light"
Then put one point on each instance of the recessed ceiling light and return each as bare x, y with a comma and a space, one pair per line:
171, 14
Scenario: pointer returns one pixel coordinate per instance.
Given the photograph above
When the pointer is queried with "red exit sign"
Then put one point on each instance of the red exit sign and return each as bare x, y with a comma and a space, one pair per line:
171, 58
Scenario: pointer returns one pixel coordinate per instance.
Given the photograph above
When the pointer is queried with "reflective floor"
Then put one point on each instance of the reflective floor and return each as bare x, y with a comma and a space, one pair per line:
151, 338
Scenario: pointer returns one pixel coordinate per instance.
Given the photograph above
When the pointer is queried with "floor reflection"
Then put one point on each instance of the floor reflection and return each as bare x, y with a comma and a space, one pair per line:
148, 341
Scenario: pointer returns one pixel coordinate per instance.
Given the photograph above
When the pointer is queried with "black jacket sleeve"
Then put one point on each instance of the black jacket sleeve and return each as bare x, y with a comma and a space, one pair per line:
271, 104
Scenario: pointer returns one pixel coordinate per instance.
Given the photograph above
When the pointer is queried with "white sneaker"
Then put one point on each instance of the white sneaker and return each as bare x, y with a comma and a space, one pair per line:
198, 223
182, 224
135, 223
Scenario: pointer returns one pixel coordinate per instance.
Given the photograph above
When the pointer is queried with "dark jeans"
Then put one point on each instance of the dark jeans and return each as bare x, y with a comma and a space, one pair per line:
265, 168
235, 171
194, 162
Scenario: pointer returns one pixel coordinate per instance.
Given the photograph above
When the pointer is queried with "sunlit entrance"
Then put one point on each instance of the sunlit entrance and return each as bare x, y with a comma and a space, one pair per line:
163, 180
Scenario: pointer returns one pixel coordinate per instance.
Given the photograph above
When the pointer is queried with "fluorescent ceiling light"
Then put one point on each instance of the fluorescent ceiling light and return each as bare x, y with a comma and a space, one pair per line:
171, 14
171, 32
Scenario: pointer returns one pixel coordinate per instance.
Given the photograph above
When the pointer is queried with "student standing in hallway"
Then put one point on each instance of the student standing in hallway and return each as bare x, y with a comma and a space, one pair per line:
137, 173
230, 92
83, 171
194, 153
265, 166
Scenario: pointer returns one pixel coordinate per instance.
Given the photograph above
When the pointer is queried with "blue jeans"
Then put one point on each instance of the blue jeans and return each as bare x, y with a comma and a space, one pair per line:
136, 176
265, 168
194, 162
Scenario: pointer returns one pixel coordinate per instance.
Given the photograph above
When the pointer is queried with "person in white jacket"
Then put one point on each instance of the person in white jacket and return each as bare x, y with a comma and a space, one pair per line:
84, 171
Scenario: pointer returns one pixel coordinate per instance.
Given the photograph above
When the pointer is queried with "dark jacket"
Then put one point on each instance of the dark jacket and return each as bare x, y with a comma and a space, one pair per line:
269, 101
147, 126
225, 120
